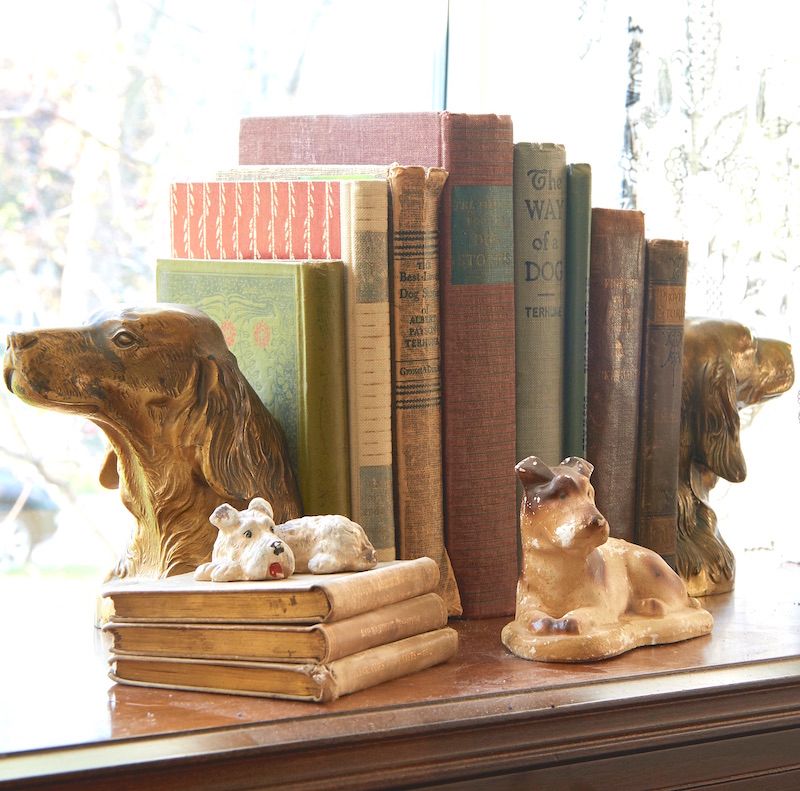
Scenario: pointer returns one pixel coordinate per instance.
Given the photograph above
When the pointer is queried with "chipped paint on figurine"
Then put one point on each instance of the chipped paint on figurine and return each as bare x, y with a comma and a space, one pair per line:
582, 595
250, 546
246, 547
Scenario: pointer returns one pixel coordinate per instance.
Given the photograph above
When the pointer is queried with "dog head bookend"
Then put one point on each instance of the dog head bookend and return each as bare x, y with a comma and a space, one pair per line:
186, 430
247, 547
581, 594
725, 369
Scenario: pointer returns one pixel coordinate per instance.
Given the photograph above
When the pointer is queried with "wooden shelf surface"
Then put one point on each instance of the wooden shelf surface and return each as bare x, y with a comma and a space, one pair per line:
723, 706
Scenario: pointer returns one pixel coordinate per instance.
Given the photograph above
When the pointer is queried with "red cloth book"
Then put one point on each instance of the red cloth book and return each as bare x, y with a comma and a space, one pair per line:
477, 311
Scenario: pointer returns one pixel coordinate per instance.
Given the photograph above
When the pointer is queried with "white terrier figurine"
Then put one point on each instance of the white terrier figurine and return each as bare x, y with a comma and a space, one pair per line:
250, 546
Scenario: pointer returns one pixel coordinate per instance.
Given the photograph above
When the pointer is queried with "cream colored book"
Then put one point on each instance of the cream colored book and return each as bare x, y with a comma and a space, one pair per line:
323, 642
302, 598
313, 682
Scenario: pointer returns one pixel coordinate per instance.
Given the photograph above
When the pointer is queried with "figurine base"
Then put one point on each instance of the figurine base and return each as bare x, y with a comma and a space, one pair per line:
605, 642
702, 585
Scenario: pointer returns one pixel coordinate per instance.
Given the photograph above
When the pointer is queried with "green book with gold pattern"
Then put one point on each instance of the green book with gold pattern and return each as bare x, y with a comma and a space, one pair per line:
284, 321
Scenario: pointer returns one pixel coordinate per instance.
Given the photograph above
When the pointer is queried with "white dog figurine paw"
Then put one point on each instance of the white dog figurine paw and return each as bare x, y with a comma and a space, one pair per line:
246, 547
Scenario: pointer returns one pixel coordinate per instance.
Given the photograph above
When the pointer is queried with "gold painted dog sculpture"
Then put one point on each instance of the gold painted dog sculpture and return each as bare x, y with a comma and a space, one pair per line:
187, 432
582, 595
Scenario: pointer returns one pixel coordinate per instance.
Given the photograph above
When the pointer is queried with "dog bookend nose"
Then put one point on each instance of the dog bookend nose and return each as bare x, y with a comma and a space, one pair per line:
725, 368
583, 596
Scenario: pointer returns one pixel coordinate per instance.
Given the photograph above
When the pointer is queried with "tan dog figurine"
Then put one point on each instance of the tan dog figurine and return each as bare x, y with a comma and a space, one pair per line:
582, 595
725, 369
187, 432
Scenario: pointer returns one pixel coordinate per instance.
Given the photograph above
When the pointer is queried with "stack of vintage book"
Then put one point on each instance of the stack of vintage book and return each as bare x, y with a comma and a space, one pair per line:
310, 637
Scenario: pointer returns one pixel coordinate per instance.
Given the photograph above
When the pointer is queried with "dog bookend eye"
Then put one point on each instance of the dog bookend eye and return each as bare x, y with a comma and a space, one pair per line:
124, 340
248, 533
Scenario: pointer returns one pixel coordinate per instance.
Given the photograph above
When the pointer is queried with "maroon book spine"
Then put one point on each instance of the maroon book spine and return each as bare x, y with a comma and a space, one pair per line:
477, 311
616, 300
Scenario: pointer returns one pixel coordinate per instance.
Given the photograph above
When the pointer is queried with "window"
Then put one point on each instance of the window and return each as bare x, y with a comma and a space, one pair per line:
100, 113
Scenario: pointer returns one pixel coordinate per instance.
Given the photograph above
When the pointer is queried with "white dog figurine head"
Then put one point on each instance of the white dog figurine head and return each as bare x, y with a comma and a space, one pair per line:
247, 547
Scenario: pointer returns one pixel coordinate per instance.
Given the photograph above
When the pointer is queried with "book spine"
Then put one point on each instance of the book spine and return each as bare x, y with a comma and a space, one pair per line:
273, 219
616, 298
383, 663
666, 263
354, 594
365, 239
416, 376
323, 445
540, 191
383, 625
576, 306
478, 359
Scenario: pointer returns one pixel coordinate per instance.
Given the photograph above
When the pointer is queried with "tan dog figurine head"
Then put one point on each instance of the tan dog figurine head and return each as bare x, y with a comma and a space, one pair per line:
725, 368
187, 432
582, 595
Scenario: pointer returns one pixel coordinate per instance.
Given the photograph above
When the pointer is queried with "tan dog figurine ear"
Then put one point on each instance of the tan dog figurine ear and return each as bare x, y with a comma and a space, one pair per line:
582, 595
724, 369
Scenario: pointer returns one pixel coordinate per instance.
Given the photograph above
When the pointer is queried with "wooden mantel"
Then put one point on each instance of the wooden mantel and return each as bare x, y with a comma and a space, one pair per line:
718, 708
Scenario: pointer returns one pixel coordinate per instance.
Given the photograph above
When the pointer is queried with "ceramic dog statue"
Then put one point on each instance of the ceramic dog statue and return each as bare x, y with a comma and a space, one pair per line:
582, 595
187, 431
247, 547
725, 369
251, 546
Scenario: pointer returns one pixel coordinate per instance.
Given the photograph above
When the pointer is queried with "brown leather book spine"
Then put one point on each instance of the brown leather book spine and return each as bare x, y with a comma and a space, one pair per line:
416, 370
660, 404
616, 299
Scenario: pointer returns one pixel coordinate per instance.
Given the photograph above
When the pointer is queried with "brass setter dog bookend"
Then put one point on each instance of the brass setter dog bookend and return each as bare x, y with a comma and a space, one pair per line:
725, 369
582, 595
186, 430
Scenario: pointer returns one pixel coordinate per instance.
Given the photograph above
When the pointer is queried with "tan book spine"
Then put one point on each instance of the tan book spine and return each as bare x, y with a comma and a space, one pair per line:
416, 375
280, 643
365, 240
540, 190
385, 625
393, 660
353, 594
315, 682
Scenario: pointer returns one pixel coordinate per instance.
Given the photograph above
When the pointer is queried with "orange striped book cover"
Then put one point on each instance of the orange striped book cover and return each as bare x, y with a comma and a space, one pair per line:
270, 220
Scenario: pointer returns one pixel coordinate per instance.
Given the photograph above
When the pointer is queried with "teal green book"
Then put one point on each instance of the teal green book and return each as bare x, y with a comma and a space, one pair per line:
285, 322
576, 306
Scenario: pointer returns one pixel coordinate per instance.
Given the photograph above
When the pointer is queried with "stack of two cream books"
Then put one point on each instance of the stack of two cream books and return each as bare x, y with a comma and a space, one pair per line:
310, 637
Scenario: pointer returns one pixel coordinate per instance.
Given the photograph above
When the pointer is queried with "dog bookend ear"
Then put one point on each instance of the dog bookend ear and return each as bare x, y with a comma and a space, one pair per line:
533, 472
578, 464
109, 473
